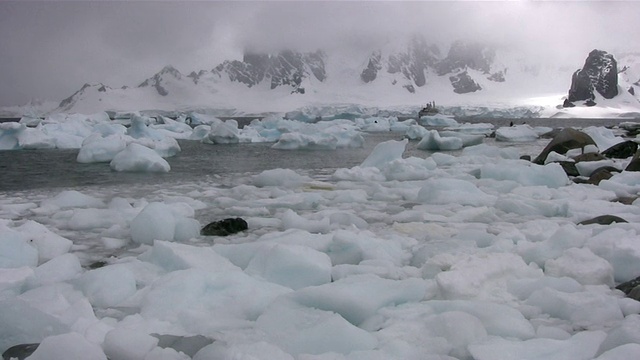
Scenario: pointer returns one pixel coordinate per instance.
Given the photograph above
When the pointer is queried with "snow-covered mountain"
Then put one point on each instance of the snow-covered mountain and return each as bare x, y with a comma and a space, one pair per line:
400, 74
286, 68
629, 70
602, 83
34, 108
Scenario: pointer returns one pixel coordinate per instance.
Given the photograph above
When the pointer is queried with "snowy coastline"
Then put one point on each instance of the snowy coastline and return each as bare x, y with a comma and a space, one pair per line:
473, 256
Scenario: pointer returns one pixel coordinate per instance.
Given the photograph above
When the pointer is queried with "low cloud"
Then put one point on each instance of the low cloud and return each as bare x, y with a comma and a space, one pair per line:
51, 48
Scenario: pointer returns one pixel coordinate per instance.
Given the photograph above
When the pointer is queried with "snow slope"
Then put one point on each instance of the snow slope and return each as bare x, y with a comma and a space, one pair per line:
399, 75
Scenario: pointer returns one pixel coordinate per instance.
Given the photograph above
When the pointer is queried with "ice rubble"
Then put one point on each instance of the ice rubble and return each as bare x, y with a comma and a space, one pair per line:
101, 140
470, 256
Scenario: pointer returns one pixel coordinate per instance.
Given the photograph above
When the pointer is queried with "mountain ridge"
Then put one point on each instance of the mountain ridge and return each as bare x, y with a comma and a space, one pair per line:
413, 72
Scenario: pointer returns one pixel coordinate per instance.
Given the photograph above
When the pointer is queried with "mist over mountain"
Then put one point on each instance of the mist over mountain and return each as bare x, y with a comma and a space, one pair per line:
123, 43
408, 73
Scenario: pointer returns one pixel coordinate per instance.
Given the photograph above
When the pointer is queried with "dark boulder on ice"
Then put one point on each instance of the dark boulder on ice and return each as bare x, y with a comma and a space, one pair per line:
632, 129
97, 264
463, 83
621, 150
631, 90
563, 141
631, 288
603, 173
599, 73
224, 227
634, 164
189, 345
568, 104
603, 220
626, 200
634, 293
592, 156
599, 174
19, 352
569, 168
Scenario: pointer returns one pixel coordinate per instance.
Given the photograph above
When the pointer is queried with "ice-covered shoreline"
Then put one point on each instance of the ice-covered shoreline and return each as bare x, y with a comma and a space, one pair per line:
470, 256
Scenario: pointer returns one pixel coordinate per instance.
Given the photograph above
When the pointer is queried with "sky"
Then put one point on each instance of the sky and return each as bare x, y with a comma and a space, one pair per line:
49, 49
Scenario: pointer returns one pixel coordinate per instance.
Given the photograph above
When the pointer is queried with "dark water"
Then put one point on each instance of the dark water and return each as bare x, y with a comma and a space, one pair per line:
43, 169
35, 169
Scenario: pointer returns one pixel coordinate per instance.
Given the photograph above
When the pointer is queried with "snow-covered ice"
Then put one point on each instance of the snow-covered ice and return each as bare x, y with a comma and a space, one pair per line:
467, 254
136, 157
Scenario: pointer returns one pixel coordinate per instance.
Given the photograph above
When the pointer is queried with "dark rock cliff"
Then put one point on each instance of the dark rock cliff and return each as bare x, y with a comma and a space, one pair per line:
599, 73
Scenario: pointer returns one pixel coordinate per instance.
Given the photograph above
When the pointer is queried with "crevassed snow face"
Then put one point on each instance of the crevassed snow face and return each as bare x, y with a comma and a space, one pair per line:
472, 254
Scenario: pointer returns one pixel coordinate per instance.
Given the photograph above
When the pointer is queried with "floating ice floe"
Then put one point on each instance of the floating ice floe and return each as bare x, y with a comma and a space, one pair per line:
158, 221
9, 135
139, 158
384, 153
222, 133
433, 141
516, 133
438, 120
97, 148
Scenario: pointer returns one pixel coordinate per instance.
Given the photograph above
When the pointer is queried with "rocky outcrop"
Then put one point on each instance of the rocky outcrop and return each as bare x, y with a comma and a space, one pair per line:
599, 73
250, 71
422, 59
70, 101
160, 78
497, 76
463, 83
565, 140
291, 68
412, 64
370, 73
463, 55
286, 68
634, 164
621, 150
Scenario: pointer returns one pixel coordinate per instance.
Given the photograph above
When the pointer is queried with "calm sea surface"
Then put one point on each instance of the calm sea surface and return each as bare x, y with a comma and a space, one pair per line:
25, 170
